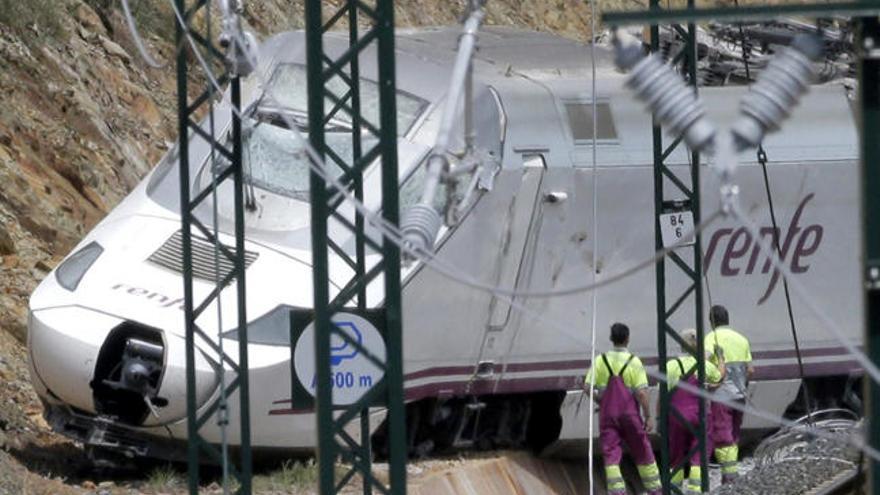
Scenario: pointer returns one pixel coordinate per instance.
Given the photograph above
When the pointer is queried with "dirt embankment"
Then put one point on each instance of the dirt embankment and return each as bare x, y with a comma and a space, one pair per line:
82, 120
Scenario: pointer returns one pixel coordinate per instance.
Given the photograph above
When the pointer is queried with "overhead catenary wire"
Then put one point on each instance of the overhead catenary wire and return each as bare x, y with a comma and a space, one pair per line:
781, 86
872, 369
873, 372
389, 232
595, 293
394, 234
429, 259
138, 39
430, 262
762, 160
828, 322
223, 408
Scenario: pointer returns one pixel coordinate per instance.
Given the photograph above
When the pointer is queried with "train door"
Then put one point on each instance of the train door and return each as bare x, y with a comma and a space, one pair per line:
512, 269
544, 341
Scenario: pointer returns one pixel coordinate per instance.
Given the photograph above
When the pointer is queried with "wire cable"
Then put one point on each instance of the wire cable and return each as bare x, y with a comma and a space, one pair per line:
595, 293
393, 233
138, 40
869, 367
828, 322
223, 408
762, 159
855, 441
872, 370
463, 279
429, 259
746, 408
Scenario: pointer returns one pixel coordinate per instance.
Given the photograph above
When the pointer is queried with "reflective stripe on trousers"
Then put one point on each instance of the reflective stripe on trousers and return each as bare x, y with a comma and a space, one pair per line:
650, 476
693, 485
727, 457
614, 480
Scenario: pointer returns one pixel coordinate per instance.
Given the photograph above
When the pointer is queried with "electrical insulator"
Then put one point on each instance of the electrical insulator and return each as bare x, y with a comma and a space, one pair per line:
777, 91
420, 226
673, 102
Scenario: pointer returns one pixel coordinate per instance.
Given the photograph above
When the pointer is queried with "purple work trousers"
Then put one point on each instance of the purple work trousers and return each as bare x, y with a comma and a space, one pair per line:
628, 428
681, 440
619, 421
726, 423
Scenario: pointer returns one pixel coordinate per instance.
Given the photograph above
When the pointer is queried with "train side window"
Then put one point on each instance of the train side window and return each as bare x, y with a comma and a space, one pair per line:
580, 121
414, 185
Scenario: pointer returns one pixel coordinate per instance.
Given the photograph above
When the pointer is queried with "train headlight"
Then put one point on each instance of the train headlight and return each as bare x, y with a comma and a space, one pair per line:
72, 270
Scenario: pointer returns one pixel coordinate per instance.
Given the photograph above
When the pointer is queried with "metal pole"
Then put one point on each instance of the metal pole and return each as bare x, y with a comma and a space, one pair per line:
327, 446
698, 267
391, 253
869, 99
360, 247
660, 274
192, 448
243, 375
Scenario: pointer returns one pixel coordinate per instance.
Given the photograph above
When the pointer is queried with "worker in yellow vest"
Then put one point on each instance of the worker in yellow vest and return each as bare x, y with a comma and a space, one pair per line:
683, 443
726, 345
621, 388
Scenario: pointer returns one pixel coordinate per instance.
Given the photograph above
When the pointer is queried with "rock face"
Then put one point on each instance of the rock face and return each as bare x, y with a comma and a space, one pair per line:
80, 124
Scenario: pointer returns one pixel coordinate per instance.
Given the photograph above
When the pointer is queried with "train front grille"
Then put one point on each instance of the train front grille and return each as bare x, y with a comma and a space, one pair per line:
170, 256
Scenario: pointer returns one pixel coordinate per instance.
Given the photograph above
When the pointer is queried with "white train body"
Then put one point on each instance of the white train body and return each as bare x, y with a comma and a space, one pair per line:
532, 230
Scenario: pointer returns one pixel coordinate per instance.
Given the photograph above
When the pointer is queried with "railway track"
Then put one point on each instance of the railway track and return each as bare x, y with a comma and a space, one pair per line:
814, 457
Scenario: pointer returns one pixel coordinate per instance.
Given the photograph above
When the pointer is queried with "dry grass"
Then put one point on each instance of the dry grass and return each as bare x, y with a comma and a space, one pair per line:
164, 479
32, 18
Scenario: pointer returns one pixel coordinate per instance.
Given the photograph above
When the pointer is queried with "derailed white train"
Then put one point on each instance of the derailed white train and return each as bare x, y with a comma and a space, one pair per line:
531, 230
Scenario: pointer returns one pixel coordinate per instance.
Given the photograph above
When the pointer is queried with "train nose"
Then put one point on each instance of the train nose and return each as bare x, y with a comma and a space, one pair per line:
103, 365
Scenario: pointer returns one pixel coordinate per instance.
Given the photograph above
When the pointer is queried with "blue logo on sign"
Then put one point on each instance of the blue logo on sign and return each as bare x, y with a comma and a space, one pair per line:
343, 350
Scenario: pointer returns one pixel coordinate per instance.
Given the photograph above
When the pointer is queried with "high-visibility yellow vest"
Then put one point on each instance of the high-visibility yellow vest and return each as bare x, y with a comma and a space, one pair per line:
634, 375
735, 346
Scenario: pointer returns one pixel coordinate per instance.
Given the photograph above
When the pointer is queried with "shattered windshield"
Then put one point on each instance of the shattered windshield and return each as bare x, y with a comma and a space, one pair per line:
275, 161
288, 91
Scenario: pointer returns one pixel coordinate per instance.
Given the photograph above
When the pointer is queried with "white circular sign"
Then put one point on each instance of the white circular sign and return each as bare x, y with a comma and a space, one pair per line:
352, 373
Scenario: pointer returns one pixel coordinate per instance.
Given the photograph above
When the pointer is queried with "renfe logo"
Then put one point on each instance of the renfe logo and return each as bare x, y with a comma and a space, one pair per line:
742, 253
150, 295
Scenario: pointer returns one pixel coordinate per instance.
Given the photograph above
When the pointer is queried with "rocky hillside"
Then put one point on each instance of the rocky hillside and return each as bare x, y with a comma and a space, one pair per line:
82, 120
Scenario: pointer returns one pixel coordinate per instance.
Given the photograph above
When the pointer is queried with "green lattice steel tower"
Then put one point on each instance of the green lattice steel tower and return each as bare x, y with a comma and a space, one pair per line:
869, 98
677, 197
334, 443
228, 166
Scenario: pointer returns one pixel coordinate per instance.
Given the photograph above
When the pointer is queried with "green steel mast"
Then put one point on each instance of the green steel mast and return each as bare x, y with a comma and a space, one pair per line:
228, 169
869, 116
675, 195
344, 69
